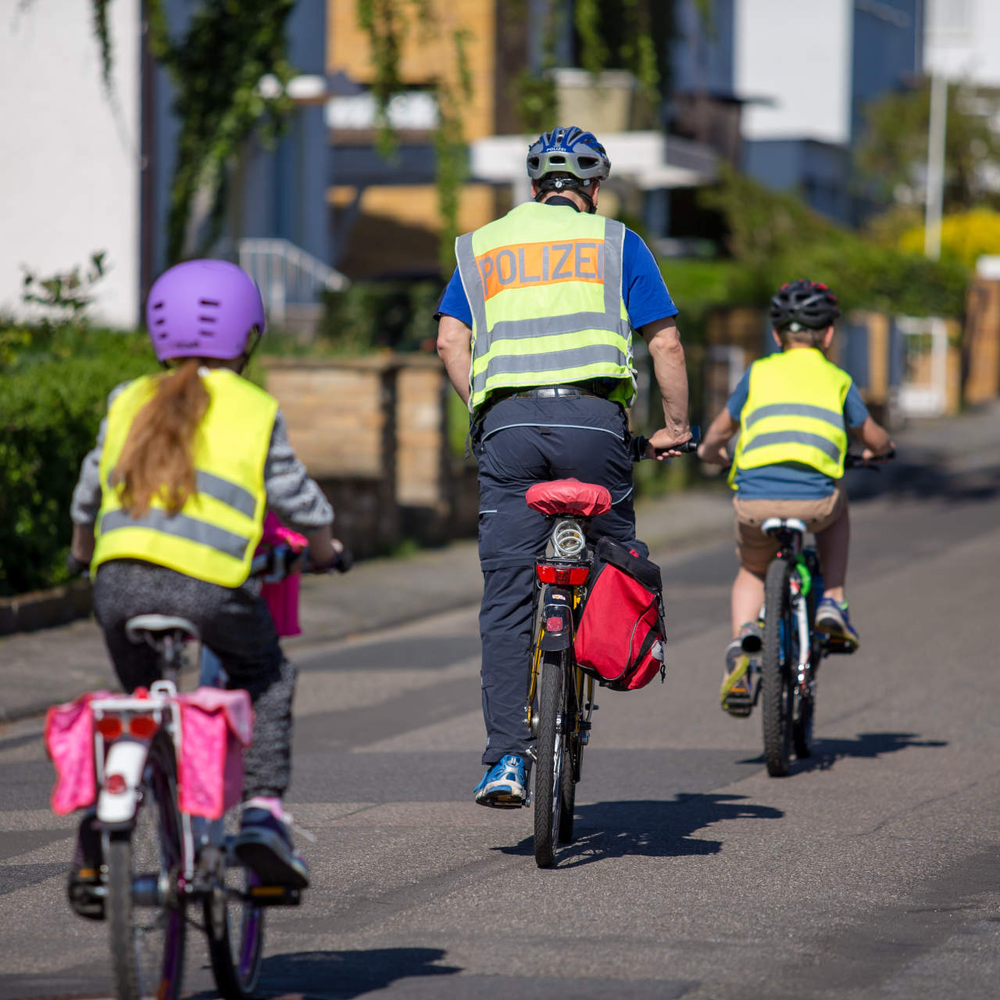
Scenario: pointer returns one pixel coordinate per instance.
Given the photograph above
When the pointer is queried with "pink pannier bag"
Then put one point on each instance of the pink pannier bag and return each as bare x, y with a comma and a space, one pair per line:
69, 739
282, 599
216, 725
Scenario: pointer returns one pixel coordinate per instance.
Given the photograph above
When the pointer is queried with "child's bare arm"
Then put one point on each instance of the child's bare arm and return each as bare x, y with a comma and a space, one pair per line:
713, 446
874, 437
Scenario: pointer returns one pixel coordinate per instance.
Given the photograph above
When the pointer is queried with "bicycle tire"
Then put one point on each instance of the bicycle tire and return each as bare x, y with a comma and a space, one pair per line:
802, 725
550, 759
234, 928
567, 798
147, 942
776, 688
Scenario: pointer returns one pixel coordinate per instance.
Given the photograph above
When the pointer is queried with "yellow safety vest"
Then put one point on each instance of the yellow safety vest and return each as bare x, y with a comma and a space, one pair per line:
214, 535
545, 287
794, 413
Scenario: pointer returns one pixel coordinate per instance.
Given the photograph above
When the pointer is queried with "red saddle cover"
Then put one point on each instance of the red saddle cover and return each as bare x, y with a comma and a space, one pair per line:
569, 496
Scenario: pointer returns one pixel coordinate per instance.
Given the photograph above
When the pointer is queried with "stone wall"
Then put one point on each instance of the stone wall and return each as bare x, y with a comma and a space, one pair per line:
374, 433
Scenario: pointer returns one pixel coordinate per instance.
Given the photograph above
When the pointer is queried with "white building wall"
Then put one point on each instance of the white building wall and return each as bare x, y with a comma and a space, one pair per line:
797, 54
69, 166
962, 40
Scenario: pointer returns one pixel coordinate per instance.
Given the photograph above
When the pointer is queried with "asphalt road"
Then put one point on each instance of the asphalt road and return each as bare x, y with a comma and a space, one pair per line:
872, 871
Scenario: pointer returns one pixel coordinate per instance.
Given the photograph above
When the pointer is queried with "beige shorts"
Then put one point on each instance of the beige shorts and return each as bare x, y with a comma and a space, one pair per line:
755, 549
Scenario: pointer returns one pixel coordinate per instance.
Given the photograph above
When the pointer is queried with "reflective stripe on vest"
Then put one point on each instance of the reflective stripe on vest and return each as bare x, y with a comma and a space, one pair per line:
214, 535
544, 288
794, 413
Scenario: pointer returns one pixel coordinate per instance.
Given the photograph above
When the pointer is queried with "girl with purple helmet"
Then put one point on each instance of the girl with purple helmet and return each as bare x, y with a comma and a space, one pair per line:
169, 509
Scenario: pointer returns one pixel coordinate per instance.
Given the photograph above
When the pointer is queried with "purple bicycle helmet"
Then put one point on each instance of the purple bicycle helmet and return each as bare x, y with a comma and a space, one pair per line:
203, 309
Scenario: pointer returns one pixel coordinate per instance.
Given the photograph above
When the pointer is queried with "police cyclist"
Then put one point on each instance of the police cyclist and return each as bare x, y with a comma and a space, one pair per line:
535, 331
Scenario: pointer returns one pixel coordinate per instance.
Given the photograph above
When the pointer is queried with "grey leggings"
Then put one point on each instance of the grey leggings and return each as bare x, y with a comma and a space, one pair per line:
235, 624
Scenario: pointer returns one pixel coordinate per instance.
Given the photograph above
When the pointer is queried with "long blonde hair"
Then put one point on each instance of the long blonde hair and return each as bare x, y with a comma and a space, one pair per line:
157, 459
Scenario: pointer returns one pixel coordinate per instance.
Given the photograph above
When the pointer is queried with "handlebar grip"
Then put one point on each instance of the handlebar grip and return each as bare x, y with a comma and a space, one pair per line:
345, 560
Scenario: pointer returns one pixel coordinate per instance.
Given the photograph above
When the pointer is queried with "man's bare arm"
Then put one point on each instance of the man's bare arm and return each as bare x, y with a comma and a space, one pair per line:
671, 378
454, 347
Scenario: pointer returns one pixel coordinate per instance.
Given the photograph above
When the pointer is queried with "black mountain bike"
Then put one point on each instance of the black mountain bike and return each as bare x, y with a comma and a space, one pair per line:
791, 647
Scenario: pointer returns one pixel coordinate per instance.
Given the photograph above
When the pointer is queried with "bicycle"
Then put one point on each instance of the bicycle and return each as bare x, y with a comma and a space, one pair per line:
560, 698
161, 862
791, 648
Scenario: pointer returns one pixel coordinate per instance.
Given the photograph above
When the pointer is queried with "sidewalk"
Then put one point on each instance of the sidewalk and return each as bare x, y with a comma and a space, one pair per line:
38, 669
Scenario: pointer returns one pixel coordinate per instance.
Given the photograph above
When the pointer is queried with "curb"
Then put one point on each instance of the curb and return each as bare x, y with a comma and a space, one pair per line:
45, 608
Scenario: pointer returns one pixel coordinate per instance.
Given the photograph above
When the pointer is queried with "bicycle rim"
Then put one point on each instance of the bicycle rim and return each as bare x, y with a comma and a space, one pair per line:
146, 921
777, 684
551, 758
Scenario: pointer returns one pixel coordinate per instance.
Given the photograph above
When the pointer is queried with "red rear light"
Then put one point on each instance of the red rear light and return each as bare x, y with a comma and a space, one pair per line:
142, 726
572, 576
553, 624
109, 726
115, 784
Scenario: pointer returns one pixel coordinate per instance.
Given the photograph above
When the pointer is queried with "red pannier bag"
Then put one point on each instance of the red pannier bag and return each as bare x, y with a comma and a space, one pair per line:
621, 628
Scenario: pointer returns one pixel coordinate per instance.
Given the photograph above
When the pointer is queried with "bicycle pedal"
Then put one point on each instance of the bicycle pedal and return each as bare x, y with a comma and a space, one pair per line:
275, 895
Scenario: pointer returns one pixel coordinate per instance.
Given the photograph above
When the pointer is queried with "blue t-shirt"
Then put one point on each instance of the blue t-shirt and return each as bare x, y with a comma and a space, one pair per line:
645, 295
788, 480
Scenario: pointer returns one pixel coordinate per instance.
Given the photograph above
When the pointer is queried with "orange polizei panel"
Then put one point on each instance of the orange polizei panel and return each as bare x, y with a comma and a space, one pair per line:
524, 265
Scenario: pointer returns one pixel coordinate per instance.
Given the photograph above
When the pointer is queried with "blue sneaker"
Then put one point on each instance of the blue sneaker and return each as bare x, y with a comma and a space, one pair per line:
264, 845
505, 784
833, 621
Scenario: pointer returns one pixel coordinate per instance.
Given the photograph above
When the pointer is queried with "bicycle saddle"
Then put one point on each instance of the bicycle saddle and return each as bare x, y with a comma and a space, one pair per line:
775, 524
568, 496
135, 627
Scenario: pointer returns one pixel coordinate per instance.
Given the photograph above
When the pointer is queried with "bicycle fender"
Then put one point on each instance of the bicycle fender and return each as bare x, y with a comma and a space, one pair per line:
118, 800
557, 619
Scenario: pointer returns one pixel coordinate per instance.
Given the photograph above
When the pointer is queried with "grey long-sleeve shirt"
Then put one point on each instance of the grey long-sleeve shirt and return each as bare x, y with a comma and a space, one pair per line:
291, 493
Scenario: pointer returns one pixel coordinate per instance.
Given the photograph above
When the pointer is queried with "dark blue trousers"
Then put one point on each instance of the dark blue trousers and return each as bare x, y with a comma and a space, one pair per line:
521, 442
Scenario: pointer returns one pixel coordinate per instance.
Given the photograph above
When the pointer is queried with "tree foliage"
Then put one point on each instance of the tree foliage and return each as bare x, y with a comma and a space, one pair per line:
776, 238
893, 152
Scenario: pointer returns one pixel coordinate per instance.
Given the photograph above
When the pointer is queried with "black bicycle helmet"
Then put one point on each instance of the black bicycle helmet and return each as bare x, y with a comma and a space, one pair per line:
803, 305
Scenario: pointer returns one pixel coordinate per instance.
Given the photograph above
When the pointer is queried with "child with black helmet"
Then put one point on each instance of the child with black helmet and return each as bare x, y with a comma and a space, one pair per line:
793, 410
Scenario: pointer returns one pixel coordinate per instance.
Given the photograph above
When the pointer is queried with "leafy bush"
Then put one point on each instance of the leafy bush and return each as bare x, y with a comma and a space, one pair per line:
965, 236
380, 314
56, 383
777, 238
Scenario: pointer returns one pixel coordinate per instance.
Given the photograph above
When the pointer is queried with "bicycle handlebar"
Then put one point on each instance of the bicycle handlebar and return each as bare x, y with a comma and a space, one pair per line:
852, 460
282, 561
637, 445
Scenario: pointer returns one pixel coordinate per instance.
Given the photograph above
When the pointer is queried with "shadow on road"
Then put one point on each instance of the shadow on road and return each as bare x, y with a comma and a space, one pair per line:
827, 752
648, 828
925, 479
346, 974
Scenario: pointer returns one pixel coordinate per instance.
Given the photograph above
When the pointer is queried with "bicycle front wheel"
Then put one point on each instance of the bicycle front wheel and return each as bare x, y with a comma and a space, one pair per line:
777, 684
235, 929
552, 758
145, 914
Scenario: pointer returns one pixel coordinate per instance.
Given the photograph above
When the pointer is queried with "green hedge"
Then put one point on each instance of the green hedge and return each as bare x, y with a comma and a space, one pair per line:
55, 388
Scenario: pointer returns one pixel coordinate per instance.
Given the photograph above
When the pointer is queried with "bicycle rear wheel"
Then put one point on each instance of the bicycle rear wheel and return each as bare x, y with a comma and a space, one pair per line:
145, 913
552, 757
235, 929
777, 684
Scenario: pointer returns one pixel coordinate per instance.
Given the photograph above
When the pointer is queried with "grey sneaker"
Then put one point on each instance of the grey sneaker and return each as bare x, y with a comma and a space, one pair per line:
833, 621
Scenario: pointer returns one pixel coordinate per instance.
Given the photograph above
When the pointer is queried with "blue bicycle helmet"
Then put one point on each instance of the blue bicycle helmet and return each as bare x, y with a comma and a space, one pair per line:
567, 159
568, 150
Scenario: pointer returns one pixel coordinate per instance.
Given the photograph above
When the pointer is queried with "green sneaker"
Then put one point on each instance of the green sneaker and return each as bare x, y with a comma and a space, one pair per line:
736, 693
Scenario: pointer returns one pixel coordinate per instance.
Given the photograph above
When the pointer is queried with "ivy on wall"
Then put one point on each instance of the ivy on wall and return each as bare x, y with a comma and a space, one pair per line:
387, 24
216, 64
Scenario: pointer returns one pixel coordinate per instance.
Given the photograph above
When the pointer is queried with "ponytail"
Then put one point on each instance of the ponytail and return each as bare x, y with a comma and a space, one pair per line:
157, 458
